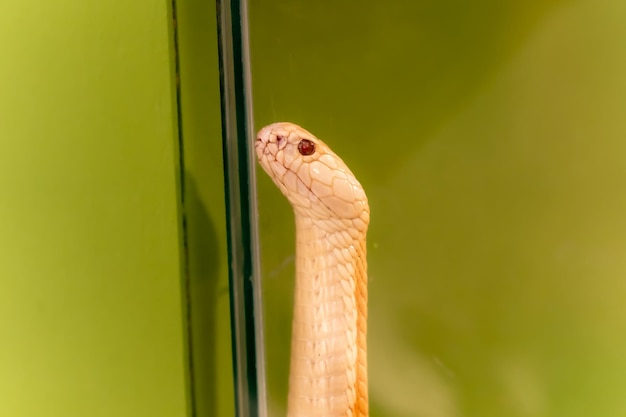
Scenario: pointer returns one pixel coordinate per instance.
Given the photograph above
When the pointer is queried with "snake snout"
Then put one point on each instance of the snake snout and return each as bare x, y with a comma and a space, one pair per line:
265, 134
260, 146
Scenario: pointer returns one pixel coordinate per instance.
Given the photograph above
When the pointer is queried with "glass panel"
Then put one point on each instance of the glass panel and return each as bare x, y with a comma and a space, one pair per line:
489, 138
241, 210
91, 319
211, 389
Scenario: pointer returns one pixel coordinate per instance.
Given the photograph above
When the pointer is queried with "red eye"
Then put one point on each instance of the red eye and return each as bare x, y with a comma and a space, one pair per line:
306, 147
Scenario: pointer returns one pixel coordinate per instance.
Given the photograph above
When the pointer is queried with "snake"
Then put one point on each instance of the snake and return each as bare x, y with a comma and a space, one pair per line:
328, 361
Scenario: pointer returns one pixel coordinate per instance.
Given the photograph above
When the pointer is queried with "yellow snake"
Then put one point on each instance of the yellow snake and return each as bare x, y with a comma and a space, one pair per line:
328, 369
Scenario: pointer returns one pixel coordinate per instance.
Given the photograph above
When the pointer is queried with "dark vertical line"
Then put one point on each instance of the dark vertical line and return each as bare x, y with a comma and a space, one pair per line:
240, 204
184, 232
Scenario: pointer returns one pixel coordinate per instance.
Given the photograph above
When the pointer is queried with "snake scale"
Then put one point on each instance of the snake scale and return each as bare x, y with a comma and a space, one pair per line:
328, 368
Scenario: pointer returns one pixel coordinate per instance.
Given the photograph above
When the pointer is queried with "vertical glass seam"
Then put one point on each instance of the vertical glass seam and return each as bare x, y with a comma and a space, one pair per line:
186, 283
245, 293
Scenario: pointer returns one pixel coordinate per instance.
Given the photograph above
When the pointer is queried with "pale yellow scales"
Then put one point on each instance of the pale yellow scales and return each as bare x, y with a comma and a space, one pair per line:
328, 370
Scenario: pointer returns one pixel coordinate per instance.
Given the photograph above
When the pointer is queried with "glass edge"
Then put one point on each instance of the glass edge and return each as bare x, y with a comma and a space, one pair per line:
241, 209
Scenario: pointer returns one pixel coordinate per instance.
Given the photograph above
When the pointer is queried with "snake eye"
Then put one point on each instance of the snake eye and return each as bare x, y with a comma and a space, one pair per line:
306, 147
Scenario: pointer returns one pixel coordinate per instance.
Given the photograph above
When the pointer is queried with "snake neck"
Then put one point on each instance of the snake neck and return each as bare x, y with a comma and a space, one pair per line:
328, 371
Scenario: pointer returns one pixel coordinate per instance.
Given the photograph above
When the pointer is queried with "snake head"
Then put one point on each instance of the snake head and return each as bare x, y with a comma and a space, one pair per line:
312, 177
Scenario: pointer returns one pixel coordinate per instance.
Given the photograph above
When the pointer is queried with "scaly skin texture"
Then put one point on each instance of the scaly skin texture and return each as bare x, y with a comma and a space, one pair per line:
328, 369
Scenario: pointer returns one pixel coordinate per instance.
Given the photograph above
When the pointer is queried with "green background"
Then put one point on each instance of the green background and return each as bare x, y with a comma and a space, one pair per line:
113, 275
90, 294
490, 138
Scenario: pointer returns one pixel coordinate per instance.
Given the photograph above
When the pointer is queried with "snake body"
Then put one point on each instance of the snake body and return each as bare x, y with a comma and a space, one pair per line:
328, 368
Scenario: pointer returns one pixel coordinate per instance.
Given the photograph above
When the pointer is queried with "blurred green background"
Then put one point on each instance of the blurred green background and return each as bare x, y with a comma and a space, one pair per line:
491, 139
113, 271
91, 313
